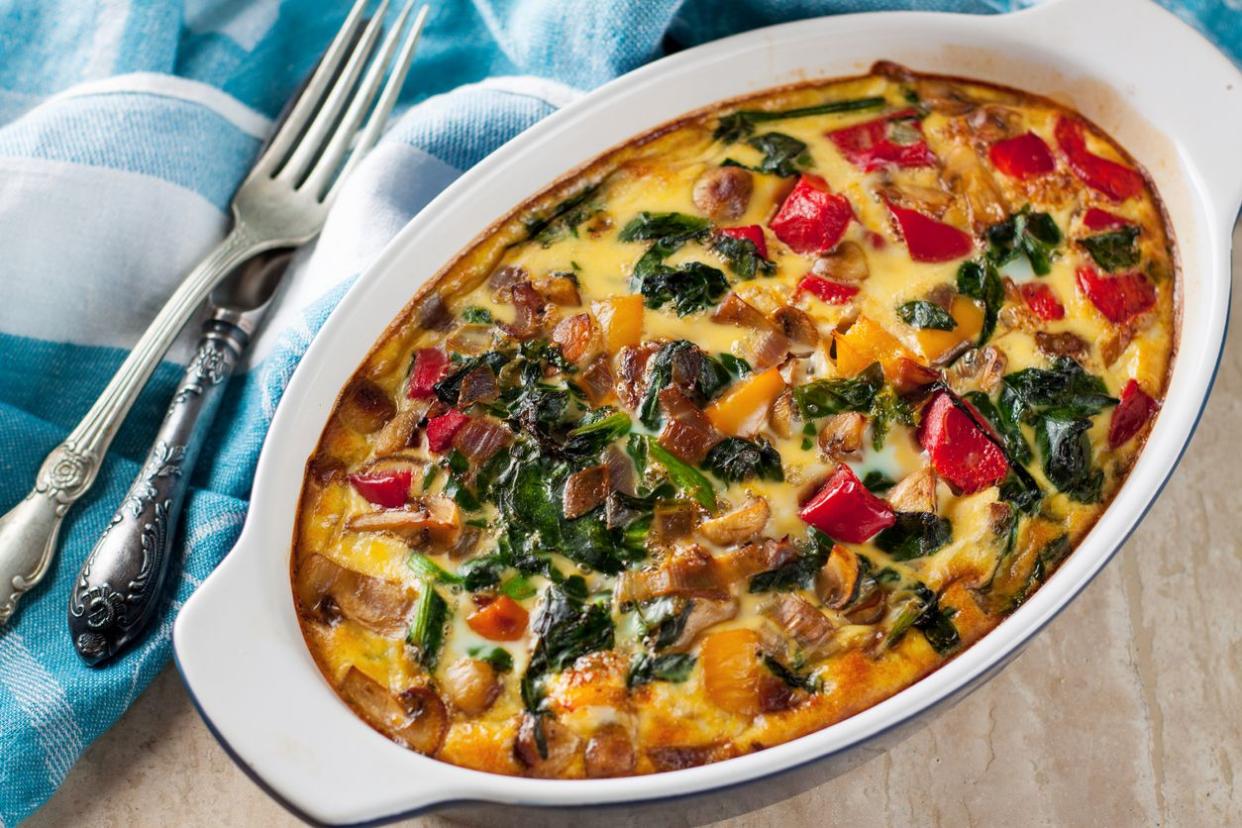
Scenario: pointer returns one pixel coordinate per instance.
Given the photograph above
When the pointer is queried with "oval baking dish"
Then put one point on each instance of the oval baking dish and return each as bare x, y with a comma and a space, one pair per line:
237, 640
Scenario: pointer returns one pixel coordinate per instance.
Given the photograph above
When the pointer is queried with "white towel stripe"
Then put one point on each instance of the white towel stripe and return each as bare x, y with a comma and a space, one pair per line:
43, 700
205, 530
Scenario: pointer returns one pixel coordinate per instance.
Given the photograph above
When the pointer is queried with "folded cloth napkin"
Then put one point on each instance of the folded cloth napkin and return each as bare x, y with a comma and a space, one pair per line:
124, 128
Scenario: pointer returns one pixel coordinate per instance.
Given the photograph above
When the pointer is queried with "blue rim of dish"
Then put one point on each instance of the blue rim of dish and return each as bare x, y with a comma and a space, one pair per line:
953, 694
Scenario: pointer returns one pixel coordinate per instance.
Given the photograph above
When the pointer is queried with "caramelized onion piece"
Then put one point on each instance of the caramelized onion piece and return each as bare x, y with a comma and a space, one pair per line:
672, 520
742, 524
559, 289
329, 590
471, 685
530, 308
620, 469
915, 493
560, 745
1063, 343
836, 583
687, 432
480, 438
631, 368
433, 314
431, 520
597, 380
734, 310
585, 490
365, 407
580, 338
809, 627
723, 192
609, 753
470, 340
479, 385
766, 350
415, 718
505, 277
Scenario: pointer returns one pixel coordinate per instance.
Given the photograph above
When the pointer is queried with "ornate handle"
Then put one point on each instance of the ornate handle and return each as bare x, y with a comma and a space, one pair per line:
120, 585
28, 532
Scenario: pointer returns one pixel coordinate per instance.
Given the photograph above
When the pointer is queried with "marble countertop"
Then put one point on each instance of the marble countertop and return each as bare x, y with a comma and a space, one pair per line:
1124, 711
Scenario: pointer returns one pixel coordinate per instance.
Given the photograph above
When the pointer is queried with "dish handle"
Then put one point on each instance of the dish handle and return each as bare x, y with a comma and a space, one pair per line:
1165, 57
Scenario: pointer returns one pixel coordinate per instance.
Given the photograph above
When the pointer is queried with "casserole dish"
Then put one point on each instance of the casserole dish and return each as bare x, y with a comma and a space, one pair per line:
237, 640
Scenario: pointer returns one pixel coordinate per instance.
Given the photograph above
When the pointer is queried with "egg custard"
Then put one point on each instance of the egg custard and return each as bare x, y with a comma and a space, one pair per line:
745, 427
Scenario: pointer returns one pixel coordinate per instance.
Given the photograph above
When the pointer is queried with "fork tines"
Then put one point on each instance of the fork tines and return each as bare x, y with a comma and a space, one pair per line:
315, 148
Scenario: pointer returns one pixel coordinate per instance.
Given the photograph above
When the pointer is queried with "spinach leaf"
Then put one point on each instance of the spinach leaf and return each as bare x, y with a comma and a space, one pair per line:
735, 459
1025, 233
684, 476
709, 377
566, 627
476, 315
983, 283
662, 226
923, 314
877, 482
426, 634
888, 408
798, 573
1065, 386
671, 667
735, 367
921, 610
498, 657
823, 398
787, 675
1114, 250
738, 125
742, 255
1004, 420
428, 570
689, 288
483, 572
782, 154
1066, 451
664, 619
448, 390
914, 535
564, 217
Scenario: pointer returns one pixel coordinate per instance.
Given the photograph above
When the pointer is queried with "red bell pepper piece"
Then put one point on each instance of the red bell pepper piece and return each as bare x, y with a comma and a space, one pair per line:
1120, 298
811, 219
1042, 301
1023, 157
384, 488
845, 510
753, 233
1114, 180
1130, 415
960, 451
429, 365
1097, 219
870, 145
442, 429
834, 293
929, 240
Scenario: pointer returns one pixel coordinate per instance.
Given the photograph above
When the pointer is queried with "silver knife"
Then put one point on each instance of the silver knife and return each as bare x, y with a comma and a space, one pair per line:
121, 585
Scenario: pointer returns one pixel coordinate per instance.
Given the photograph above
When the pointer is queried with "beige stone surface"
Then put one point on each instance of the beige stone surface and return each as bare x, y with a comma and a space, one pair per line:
1126, 710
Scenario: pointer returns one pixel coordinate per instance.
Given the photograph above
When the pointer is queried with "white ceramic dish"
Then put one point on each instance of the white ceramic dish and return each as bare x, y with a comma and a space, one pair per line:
1158, 87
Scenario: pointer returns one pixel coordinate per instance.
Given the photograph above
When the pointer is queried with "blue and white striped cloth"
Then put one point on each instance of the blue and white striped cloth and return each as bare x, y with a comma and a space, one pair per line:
125, 125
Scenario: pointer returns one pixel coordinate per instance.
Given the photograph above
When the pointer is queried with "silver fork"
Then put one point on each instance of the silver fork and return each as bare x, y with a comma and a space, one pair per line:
282, 203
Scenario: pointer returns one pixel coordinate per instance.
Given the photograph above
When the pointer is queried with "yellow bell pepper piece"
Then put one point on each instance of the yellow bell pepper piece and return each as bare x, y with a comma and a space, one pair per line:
741, 409
969, 318
866, 342
621, 317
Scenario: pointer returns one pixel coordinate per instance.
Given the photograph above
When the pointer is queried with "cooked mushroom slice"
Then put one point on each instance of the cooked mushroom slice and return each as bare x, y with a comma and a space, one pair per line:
944, 96
609, 753
687, 432
981, 368
365, 407
584, 490
847, 263
766, 349
679, 758
1064, 343
329, 590
703, 614
631, 368
915, 493
809, 627
757, 557
531, 310
782, 416
559, 289
742, 524
415, 718
431, 520
620, 470
870, 608
962, 173
597, 380
672, 520
545, 753
723, 192
433, 314
799, 328
836, 583
478, 385
841, 438
1115, 343
734, 310
991, 123
505, 277
580, 338
397, 435
471, 685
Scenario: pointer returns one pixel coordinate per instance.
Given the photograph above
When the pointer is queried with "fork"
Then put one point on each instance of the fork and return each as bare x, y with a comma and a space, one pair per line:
282, 203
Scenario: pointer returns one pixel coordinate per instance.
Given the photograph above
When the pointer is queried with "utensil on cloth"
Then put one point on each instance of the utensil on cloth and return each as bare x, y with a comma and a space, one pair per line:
282, 203
121, 584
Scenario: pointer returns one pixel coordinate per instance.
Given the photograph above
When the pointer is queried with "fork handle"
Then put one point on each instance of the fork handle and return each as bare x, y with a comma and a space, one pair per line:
28, 532
122, 582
